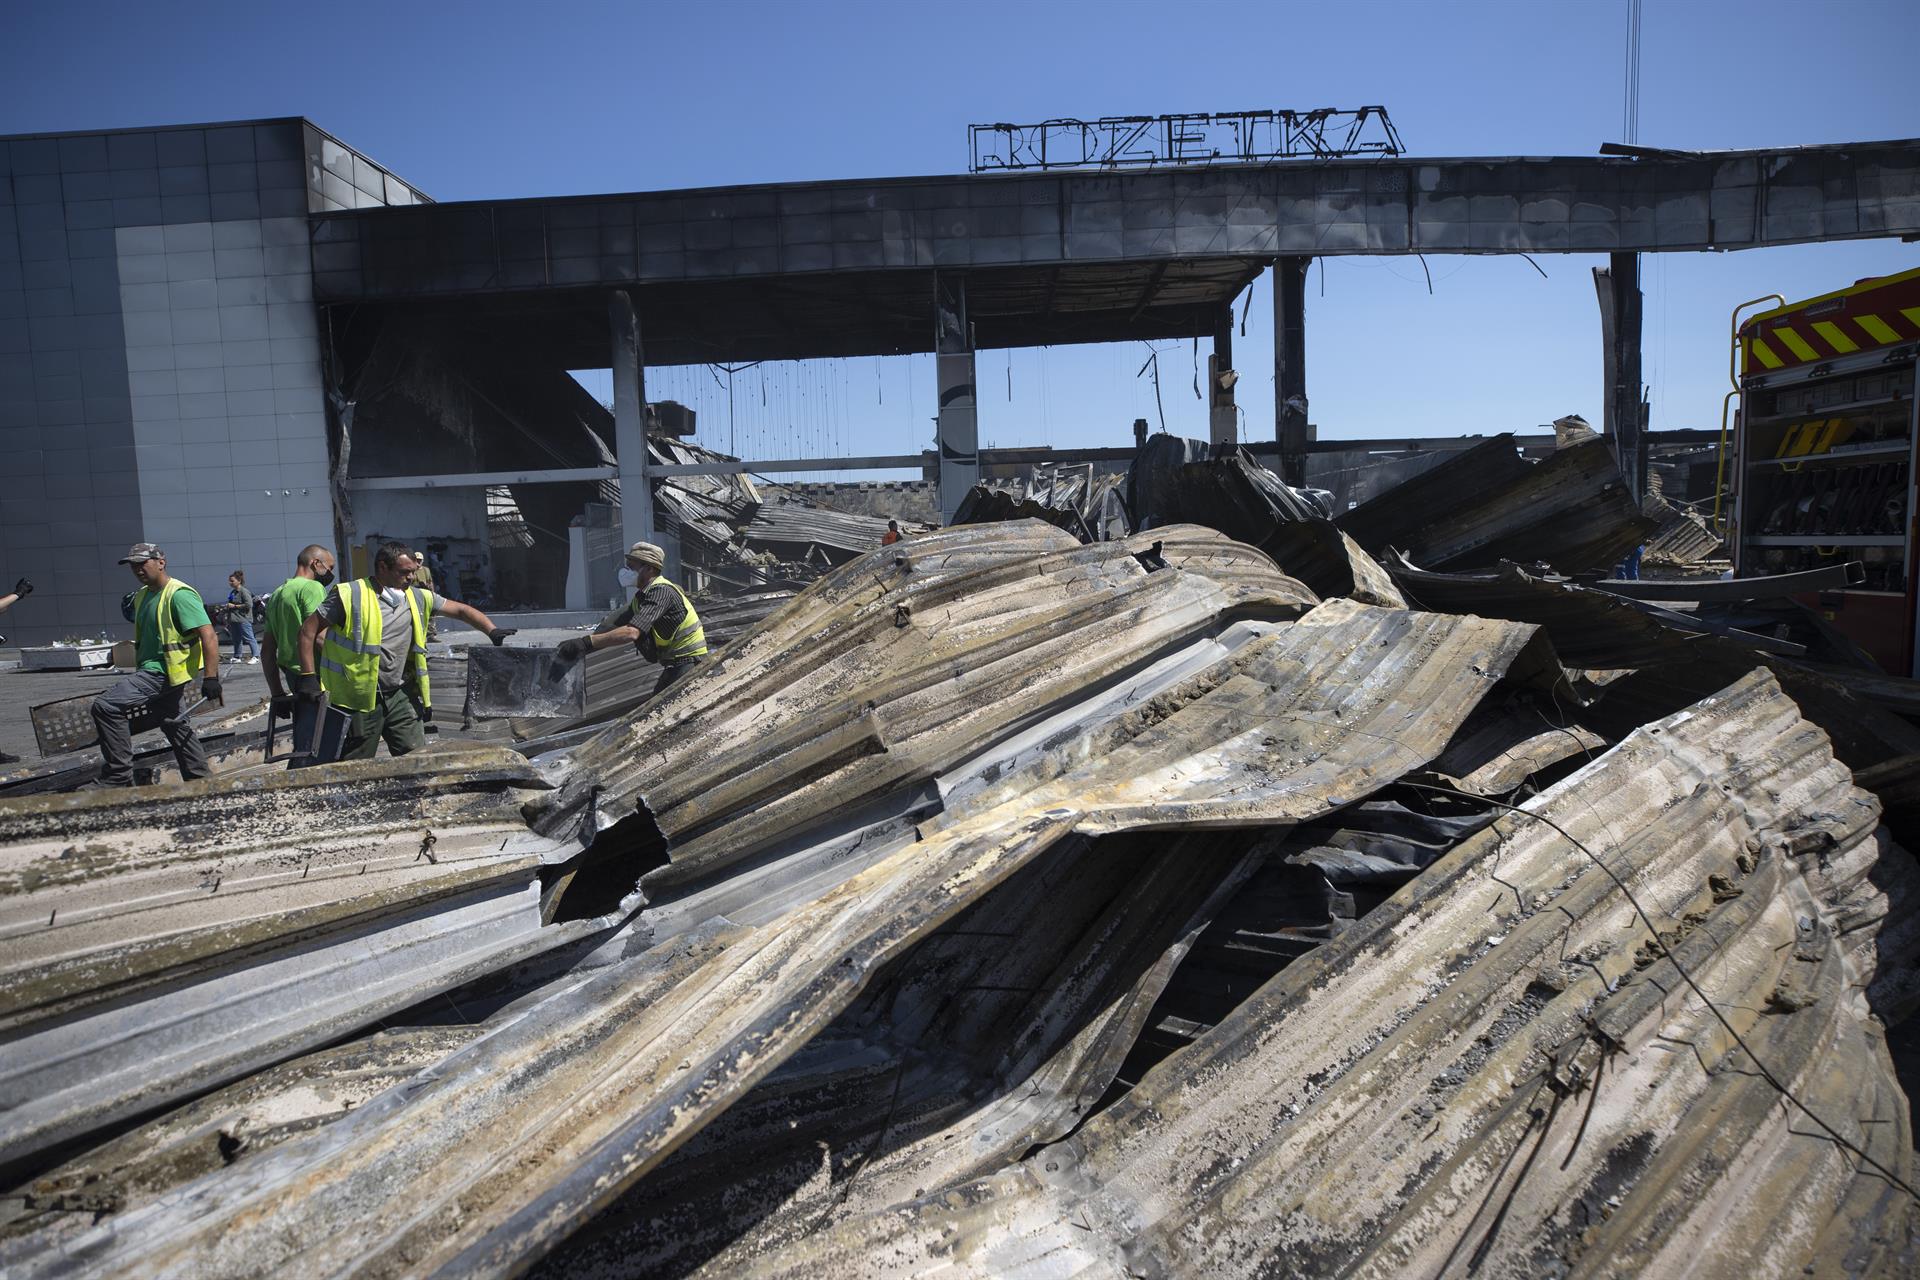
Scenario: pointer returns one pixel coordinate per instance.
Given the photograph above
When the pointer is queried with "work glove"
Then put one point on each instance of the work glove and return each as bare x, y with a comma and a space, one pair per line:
571, 651
282, 706
426, 715
23, 588
499, 635
210, 689
306, 686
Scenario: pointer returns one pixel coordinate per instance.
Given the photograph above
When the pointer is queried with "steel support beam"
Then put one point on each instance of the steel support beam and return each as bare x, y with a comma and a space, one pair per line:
880, 462
1290, 365
483, 479
630, 418
1618, 286
958, 432
1223, 415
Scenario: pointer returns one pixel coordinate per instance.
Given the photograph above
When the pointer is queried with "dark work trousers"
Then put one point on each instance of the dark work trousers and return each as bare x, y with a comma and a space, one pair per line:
395, 717
672, 671
145, 689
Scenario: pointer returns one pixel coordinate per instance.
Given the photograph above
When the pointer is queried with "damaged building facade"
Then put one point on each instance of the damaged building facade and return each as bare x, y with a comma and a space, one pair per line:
1156, 873
236, 339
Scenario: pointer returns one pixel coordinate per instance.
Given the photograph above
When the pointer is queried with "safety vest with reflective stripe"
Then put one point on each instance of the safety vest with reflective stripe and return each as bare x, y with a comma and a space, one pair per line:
350, 652
180, 654
688, 640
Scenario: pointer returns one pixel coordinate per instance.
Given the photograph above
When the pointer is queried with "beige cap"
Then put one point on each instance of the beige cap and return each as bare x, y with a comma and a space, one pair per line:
647, 553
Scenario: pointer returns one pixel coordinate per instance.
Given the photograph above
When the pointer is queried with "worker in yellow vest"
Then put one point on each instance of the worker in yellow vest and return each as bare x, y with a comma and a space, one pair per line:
174, 644
372, 662
659, 620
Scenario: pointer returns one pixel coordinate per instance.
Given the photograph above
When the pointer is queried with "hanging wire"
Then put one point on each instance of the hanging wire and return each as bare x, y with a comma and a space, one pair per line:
1766, 1073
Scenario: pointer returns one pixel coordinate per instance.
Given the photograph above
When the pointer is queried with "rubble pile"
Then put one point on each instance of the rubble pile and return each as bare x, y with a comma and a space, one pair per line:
747, 536
1352, 896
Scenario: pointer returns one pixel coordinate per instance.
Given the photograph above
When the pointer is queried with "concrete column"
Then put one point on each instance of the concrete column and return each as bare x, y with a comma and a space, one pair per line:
958, 432
1223, 417
1618, 285
1290, 366
630, 419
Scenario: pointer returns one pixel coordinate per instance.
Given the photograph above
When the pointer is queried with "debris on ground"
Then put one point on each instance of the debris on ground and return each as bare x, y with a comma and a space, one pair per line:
1251, 892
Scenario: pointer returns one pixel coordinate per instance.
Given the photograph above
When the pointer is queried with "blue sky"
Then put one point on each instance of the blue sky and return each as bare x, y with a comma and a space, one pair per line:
490, 99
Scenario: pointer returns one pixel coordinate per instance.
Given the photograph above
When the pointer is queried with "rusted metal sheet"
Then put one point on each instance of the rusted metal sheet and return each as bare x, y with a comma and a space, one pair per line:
1503, 1071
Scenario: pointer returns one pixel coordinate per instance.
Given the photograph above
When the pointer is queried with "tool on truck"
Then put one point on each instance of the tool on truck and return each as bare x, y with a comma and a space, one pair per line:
1822, 463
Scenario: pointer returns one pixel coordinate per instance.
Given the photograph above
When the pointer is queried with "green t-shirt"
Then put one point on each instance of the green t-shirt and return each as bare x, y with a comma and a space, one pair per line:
288, 609
189, 615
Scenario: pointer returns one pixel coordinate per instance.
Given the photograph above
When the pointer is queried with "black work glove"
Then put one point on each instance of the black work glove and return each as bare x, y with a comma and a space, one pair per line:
23, 588
306, 686
282, 708
210, 689
499, 635
571, 651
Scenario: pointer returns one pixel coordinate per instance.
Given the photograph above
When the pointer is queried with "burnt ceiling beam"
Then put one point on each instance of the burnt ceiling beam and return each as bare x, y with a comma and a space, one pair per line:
1146, 293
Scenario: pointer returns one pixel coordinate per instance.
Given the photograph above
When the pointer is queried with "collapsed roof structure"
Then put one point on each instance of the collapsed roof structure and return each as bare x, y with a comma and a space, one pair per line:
1004, 904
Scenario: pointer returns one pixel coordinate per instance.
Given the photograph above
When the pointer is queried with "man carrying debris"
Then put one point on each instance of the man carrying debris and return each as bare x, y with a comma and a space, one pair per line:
373, 662
288, 608
173, 641
660, 621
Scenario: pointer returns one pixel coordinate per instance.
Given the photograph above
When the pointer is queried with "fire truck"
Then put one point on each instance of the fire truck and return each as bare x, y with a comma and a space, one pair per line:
1823, 454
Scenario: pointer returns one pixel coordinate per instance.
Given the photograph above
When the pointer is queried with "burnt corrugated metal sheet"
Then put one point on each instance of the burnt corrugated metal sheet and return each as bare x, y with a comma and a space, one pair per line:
922, 860
1503, 1072
1683, 539
879, 681
1666, 669
1248, 503
1487, 504
791, 527
511, 1141
160, 947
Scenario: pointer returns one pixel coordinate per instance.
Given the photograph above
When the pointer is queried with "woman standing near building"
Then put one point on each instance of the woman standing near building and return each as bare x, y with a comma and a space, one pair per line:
240, 618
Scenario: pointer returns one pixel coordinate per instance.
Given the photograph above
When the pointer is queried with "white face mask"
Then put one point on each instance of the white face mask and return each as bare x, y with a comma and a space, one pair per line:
629, 578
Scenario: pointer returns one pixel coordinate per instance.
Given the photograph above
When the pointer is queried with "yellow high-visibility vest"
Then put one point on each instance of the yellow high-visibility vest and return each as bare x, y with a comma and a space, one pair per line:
350, 653
180, 654
688, 640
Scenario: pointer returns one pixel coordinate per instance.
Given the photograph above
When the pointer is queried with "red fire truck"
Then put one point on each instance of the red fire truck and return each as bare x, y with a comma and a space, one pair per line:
1823, 458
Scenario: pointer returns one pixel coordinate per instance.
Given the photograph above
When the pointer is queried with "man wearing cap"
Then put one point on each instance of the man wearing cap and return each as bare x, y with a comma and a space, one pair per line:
373, 662
173, 643
659, 620
288, 608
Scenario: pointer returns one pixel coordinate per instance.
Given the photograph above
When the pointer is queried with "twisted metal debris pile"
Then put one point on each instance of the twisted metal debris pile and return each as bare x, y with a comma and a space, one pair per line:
1001, 905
